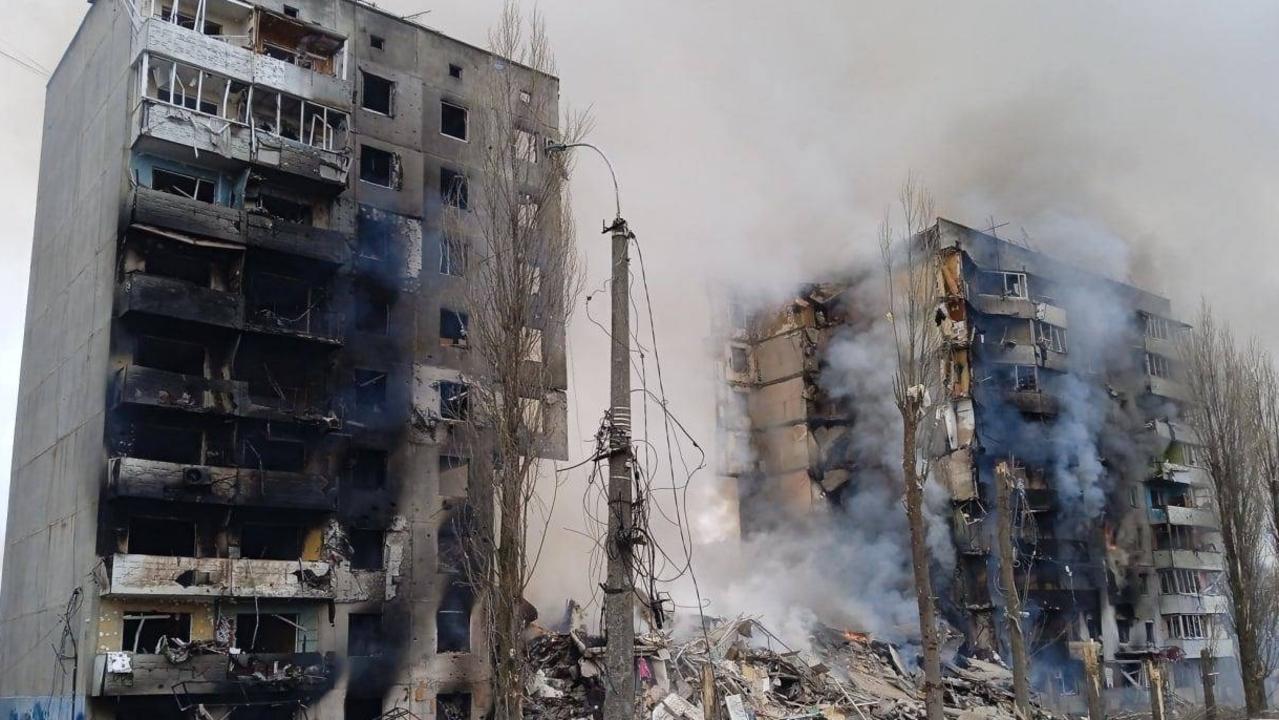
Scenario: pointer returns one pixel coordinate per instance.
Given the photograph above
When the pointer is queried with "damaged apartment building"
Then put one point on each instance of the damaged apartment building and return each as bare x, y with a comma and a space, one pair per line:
246, 370
1066, 380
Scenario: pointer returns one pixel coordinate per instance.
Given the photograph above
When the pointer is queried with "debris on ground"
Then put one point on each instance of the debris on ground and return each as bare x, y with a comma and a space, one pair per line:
842, 675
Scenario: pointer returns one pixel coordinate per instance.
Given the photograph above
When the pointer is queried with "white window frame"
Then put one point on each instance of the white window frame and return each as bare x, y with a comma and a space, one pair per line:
1158, 328
466, 121
1050, 336
1158, 366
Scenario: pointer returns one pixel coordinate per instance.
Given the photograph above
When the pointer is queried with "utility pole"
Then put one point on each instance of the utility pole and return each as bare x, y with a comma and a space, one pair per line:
1209, 680
1012, 601
1092, 680
619, 590
619, 586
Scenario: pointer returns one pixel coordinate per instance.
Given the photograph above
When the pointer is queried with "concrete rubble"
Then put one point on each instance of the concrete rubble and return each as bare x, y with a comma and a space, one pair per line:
842, 675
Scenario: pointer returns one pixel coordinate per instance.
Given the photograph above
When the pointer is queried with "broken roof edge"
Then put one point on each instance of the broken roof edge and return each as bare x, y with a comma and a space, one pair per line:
366, 5
1142, 299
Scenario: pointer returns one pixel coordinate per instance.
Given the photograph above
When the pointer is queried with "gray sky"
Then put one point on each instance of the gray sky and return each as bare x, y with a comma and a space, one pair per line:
759, 142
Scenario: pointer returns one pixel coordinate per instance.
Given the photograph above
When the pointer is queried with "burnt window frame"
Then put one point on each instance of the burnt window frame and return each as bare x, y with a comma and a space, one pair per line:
369, 468
372, 310
372, 633
364, 378
455, 400
455, 71
199, 180
131, 637
393, 171
365, 77
367, 544
454, 253
455, 319
448, 107
455, 188
377, 42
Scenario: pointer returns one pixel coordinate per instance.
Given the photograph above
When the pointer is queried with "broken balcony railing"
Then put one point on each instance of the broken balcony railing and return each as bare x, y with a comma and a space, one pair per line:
266, 111
309, 322
258, 30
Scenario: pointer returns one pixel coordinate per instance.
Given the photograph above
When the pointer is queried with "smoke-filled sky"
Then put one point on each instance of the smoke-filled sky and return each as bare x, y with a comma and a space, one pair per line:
759, 143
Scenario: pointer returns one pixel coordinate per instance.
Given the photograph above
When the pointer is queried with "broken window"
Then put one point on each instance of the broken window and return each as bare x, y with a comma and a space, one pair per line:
366, 548
739, 360
161, 536
285, 209
455, 71
370, 390
454, 401
280, 301
1050, 337
323, 127
190, 186
453, 706
372, 311
1184, 453
1188, 627
270, 542
373, 230
1175, 537
364, 634
377, 42
1180, 582
531, 342
453, 619
526, 146
368, 468
179, 266
1005, 284
182, 19
454, 190
377, 93
527, 211
531, 413
274, 453
175, 356
1158, 366
526, 97
453, 120
453, 328
452, 256
189, 87
143, 630
1156, 327
379, 167
361, 708
166, 443
455, 476
450, 557
1024, 378
290, 11
260, 632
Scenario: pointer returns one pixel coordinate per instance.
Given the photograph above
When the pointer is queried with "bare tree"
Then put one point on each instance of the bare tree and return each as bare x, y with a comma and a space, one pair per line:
522, 281
912, 266
1224, 412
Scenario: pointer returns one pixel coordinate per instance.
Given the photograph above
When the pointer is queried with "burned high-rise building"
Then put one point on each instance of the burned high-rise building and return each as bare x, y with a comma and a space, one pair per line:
246, 369
1065, 378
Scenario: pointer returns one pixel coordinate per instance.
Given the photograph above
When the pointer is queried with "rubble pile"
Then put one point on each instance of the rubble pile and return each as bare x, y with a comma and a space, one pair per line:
747, 673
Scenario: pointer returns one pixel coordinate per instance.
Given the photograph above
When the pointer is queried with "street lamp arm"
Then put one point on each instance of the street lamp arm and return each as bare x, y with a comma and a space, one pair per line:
617, 194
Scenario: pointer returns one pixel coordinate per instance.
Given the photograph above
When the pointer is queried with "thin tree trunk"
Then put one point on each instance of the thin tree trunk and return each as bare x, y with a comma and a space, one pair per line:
1008, 578
508, 651
1210, 694
923, 581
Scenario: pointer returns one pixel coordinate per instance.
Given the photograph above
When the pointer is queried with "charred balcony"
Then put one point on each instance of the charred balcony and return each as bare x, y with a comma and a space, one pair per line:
212, 678
158, 576
130, 477
281, 226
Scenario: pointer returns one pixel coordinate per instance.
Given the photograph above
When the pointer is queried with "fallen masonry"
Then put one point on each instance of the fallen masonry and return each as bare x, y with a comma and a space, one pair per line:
741, 671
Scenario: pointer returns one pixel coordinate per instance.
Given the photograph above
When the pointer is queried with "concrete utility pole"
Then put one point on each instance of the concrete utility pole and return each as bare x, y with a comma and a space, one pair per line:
1155, 679
1092, 680
619, 592
619, 587
1209, 680
1012, 601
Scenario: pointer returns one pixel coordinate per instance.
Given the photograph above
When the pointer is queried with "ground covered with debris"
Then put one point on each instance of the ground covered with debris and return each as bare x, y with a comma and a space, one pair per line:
843, 675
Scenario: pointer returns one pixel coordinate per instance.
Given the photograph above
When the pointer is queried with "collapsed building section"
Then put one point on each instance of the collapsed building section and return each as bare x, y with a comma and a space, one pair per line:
1068, 380
242, 462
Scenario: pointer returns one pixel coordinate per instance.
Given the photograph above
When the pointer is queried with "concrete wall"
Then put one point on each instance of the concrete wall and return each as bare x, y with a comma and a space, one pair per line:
58, 459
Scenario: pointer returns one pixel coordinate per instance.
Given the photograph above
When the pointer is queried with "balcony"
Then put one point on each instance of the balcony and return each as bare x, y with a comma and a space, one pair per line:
1167, 388
1023, 308
157, 576
129, 477
1173, 515
157, 121
153, 209
138, 385
1193, 604
1035, 402
213, 674
1189, 559
158, 295
310, 324
244, 65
